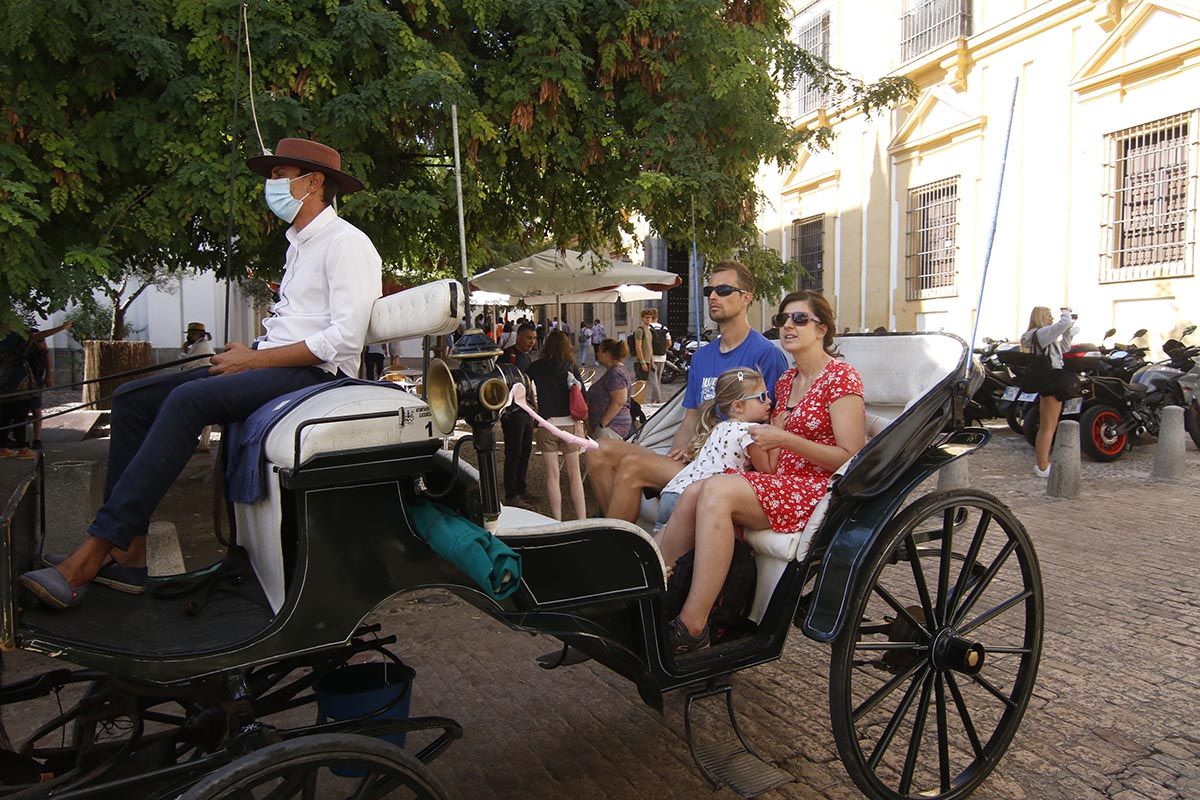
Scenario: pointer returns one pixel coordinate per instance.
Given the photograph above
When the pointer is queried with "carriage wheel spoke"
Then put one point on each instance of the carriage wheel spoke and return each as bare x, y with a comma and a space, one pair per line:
883, 691
914, 561
964, 715
289, 787
1002, 650
899, 609
944, 564
914, 744
367, 788
985, 581
890, 646
994, 612
960, 585
310, 785
898, 715
999, 695
942, 736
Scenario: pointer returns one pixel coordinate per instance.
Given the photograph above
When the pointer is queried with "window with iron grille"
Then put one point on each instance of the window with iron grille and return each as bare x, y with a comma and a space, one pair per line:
813, 38
808, 252
932, 240
620, 314
1150, 217
930, 23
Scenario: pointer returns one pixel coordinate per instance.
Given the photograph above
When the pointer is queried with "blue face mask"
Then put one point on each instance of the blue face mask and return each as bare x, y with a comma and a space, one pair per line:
278, 192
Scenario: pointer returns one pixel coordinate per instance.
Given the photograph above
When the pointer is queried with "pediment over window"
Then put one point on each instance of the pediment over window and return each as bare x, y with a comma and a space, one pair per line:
935, 121
810, 171
1155, 36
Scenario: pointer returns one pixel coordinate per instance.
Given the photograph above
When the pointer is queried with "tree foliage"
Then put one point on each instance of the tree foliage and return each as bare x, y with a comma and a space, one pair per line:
574, 115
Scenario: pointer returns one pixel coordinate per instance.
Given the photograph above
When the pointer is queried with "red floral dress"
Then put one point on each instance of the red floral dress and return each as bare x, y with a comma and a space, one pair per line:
789, 495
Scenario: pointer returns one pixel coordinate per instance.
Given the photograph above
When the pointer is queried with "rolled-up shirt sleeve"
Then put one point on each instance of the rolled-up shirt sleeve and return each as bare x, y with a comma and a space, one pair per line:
353, 280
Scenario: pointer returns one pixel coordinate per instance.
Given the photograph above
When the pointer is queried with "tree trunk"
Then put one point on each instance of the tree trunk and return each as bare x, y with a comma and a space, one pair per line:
102, 358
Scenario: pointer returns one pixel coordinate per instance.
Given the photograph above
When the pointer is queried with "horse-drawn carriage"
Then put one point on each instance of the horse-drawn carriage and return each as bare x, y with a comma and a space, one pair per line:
933, 608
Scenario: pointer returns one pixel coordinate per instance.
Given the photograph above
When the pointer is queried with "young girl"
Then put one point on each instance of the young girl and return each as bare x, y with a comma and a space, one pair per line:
722, 441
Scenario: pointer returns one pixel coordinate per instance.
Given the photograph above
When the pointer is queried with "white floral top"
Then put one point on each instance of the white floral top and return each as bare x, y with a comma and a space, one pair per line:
723, 451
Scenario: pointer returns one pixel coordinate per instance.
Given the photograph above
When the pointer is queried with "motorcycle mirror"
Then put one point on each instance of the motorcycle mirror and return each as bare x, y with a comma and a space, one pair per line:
1189, 330
1139, 333
1111, 332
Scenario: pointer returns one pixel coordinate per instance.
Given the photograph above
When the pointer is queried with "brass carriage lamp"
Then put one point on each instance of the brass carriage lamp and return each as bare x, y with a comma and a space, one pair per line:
475, 391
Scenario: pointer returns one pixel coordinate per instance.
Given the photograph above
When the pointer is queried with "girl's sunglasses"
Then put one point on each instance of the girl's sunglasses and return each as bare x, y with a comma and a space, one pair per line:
799, 318
761, 397
722, 290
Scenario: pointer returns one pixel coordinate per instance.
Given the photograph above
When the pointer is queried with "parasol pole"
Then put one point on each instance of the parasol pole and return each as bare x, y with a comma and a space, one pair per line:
462, 229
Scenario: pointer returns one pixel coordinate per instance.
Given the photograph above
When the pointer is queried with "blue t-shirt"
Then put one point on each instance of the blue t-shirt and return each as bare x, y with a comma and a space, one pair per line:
756, 352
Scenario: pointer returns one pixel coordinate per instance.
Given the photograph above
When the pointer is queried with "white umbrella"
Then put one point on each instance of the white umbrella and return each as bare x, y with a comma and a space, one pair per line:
557, 276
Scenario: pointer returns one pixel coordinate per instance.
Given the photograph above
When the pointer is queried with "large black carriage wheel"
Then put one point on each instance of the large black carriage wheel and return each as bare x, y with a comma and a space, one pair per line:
930, 678
308, 767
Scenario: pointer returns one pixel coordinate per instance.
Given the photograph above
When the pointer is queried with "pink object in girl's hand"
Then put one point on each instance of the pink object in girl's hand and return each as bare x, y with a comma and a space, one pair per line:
516, 396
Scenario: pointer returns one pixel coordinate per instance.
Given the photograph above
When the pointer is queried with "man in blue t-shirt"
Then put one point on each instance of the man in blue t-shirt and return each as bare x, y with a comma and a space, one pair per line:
619, 471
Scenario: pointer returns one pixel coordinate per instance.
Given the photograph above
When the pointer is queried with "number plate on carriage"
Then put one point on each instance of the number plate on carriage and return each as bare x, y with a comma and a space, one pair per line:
1028, 397
1073, 406
1011, 393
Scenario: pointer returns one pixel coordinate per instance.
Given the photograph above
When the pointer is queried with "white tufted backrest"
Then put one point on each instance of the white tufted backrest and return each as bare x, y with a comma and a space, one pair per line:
899, 369
433, 309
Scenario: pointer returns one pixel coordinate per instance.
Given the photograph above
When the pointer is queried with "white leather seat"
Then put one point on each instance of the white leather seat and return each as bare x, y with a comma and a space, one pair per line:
429, 310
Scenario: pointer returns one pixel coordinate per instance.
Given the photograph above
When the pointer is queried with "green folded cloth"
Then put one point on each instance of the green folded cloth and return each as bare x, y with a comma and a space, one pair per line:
485, 559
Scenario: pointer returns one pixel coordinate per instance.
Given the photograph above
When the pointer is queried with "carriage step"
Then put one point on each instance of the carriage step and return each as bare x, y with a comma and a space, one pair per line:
566, 657
728, 760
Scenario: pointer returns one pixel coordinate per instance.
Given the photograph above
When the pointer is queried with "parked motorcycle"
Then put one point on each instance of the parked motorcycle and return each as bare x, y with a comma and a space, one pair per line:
679, 356
1124, 412
992, 399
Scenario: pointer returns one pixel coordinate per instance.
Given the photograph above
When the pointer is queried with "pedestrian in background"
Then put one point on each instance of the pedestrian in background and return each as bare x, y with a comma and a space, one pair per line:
41, 369
587, 356
518, 426
550, 377
651, 341
1048, 340
608, 396
599, 334
15, 412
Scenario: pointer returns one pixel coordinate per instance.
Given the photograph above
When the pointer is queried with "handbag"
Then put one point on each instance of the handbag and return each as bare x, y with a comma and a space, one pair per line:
575, 399
1039, 374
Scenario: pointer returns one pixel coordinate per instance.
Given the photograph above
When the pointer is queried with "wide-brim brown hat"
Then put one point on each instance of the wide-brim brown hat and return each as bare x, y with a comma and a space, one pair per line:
307, 154
195, 327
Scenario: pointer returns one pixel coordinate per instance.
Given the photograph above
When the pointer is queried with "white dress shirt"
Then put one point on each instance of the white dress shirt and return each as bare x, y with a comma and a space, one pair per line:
332, 277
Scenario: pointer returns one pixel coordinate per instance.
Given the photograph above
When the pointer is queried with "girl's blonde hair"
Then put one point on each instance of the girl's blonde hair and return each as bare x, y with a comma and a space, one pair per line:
731, 386
1038, 317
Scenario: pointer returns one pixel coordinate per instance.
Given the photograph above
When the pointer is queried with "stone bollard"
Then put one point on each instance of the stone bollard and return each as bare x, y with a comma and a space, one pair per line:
1168, 453
1064, 462
954, 475
74, 490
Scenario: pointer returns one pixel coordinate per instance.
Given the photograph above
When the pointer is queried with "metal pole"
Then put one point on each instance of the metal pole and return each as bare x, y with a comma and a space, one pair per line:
694, 277
237, 85
462, 229
987, 255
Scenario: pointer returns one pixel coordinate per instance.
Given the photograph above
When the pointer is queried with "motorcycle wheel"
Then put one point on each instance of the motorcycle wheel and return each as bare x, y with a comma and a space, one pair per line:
1015, 417
1097, 434
669, 373
1191, 421
1030, 423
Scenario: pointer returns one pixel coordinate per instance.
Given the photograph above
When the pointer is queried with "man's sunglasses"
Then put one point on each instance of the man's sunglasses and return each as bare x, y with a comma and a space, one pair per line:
722, 290
799, 318
761, 397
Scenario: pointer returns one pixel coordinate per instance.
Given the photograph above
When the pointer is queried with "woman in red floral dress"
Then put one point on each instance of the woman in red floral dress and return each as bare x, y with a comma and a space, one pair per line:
818, 424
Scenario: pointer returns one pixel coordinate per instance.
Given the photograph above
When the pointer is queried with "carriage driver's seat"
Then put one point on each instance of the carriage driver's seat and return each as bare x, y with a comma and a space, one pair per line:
901, 374
433, 309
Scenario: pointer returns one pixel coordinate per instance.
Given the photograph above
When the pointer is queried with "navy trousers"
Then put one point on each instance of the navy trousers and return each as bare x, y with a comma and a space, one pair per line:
155, 425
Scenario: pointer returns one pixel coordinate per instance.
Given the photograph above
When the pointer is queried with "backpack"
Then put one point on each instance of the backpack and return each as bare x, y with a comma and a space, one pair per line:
729, 618
658, 340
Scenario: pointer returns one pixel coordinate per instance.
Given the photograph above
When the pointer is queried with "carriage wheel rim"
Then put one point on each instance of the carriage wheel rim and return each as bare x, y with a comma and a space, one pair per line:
940, 684
1104, 435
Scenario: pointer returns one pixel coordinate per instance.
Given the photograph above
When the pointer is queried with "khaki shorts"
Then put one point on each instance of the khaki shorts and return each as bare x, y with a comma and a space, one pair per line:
547, 442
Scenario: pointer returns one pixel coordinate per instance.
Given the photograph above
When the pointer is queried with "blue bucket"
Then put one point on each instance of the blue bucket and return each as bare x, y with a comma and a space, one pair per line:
356, 690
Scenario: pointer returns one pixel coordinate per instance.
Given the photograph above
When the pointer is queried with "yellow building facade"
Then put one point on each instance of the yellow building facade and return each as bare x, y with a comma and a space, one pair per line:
1098, 208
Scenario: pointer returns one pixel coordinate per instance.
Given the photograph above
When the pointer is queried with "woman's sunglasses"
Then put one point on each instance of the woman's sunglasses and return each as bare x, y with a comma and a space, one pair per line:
761, 397
722, 290
799, 318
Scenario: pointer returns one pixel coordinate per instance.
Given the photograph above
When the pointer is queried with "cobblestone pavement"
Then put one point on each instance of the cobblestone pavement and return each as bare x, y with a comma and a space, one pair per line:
1114, 713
